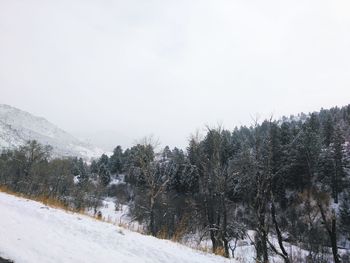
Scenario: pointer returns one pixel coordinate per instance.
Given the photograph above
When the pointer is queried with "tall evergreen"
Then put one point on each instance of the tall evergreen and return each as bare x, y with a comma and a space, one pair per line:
116, 161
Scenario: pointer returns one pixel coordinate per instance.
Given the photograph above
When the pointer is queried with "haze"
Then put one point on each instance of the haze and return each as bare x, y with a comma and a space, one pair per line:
114, 71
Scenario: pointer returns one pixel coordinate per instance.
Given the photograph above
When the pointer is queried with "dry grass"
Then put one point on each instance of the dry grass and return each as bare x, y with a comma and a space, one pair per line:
48, 201
203, 248
163, 233
180, 230
220, 251
54, 203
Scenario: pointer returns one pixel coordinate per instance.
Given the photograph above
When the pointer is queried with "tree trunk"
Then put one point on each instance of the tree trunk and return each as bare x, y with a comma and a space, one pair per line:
284, 253
151, 219
211, 223
332, 232
335, 184
213, 239
261, 245
333, 237
224, 228
264, 247
263, 236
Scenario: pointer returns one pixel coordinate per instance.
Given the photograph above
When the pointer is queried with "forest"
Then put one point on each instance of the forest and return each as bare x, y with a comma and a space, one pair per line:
286, 180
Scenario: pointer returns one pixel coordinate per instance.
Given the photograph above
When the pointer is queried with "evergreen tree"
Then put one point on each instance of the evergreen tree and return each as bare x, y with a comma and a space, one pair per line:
166, 154
338, 173
116, 161
328, 129
103, 170
104, 174
94, 167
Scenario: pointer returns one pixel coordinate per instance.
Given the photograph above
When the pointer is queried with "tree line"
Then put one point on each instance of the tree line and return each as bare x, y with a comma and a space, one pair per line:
287, 179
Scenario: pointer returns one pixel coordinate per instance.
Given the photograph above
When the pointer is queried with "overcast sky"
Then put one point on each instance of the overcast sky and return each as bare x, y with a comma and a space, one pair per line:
137, 67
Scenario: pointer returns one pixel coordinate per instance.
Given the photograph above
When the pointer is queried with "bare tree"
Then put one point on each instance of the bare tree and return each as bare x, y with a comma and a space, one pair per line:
329, 220
155, 179
214, 186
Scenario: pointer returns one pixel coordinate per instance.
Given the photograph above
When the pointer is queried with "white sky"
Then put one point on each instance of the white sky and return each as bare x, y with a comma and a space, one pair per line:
137, 67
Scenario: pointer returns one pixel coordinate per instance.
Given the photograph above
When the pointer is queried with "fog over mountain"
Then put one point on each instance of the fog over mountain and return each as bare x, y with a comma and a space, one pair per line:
170, 67
17, 127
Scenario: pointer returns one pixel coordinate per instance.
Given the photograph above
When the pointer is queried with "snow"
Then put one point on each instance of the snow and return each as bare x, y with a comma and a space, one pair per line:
119, 216
33, 232
17, 127
117, 180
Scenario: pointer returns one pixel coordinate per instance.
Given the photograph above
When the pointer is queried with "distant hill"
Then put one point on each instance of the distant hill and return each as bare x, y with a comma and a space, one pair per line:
17, 127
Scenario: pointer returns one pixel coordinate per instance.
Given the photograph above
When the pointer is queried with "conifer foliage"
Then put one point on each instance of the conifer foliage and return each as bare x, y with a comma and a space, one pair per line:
285, 179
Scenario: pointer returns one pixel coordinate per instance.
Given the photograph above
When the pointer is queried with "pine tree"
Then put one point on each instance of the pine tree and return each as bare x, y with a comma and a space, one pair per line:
103, 170
116, 161
338, 162
328, 129
104, 174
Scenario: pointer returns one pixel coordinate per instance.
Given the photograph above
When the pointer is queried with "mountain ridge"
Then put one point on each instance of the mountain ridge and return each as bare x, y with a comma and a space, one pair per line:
18, 126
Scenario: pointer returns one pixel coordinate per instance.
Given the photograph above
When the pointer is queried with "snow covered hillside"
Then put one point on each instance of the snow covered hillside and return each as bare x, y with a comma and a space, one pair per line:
17, 126
33, 232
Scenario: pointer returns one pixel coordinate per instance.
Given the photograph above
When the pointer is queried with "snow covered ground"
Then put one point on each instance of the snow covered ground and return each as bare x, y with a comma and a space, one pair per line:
119, 216
33, 232
244, 252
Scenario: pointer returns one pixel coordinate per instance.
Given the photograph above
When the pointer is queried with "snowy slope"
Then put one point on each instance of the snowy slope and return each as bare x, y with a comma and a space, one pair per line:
32, 232
17, 126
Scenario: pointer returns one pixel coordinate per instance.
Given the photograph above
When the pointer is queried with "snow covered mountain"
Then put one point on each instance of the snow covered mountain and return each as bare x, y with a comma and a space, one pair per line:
32, 232
17, 127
